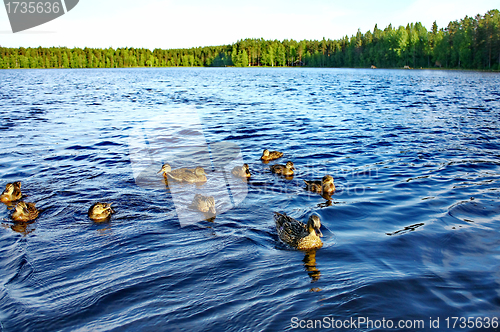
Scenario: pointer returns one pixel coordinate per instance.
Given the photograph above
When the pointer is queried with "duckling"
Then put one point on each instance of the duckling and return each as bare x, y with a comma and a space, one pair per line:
100, 212
325, 186
283, 169
270, 155
204, 203
25, 212
188, 175
298, 235
11, 193
241, 171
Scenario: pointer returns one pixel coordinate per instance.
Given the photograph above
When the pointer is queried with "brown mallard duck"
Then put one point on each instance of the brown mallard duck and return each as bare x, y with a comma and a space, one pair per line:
325, 186
270, 155
283, 169
100, 212
298, 235
12, 192
25, 212
203, 203
241, 171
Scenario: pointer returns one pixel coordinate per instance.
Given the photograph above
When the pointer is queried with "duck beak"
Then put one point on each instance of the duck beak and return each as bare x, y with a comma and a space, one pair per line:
319, 232
212, 209
160, 171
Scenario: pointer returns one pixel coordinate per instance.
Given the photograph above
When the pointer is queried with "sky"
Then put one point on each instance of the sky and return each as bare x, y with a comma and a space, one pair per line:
191, 23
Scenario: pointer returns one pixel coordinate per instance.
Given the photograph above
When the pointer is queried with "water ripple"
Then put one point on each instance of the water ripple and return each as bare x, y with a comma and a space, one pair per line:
416, 215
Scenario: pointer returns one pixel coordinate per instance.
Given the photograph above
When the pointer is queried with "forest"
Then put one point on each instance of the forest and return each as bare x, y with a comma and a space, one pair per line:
469, 43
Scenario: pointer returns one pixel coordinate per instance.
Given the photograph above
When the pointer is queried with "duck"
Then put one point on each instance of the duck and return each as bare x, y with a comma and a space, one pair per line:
190, 175
100, 212
283, 169
270, 155
25, 212
297, 234
323, 186
12, 192
204, 203
241, 171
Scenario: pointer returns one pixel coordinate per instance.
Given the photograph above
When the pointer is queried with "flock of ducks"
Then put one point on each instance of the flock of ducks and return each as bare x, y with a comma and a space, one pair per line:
292, 232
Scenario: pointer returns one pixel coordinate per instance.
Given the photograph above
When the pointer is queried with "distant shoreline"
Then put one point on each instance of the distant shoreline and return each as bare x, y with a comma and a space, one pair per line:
267, 67
472, 43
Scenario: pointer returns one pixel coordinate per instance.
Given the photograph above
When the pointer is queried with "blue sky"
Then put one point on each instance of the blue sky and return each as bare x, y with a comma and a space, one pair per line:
182, 24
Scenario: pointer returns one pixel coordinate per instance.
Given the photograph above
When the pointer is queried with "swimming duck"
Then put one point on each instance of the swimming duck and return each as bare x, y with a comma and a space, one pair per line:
100, 212
298, 235
283, 169
325, 186
11, 193
241, 171
204, 203
25, 212
270, 155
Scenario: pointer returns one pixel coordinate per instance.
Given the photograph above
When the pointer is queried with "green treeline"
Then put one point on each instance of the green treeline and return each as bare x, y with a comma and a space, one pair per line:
470, 43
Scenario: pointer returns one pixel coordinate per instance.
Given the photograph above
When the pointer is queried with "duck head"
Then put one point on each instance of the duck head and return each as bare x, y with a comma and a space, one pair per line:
265, 153
165, 169
12, 192
199, 171
289, 165
327, 179
9, 189
314, 224
246, 170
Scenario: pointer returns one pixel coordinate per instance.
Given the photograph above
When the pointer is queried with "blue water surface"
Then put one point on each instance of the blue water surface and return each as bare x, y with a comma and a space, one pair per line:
412, 232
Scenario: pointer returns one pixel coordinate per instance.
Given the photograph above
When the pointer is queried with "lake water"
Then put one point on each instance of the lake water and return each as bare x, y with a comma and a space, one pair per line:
412, 232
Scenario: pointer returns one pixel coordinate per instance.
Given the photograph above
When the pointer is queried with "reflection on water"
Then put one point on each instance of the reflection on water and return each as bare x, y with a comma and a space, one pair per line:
210, 217
310, 265
103, 228
415, 214
24, 228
